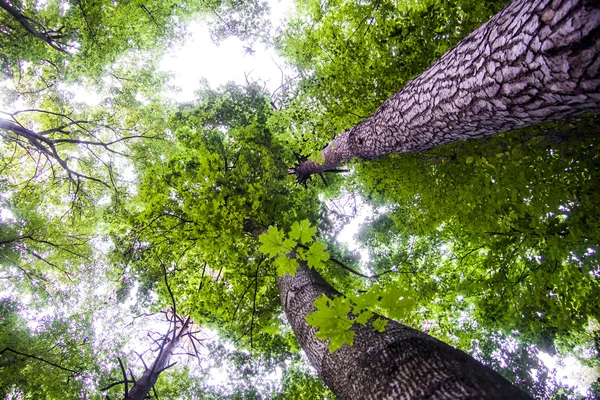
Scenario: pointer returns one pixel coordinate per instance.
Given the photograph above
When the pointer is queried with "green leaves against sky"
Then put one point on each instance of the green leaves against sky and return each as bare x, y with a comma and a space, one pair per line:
482, 243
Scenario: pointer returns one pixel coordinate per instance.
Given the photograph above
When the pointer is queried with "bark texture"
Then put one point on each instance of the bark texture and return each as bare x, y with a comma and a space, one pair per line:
400, 363
534, 61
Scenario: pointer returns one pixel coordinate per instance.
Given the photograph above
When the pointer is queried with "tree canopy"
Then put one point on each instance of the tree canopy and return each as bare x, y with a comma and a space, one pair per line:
124, 221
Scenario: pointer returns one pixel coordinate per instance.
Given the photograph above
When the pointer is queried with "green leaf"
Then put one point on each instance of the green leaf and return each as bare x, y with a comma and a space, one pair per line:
288, 245
317, 254
469, 160
366, 300
331, 320
338, 338
302, 232
272, 241
396, 301
364, 317
286, 265
379, 324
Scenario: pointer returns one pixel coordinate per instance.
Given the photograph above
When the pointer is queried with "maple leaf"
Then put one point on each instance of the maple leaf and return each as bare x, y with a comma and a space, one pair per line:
396, 302
317, 254
331, 320
303, 232
379, 324
286, 265
364, 317
272, 241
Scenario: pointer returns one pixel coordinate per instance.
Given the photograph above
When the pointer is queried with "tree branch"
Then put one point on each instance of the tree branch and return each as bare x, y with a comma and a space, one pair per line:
24, 21
39, 359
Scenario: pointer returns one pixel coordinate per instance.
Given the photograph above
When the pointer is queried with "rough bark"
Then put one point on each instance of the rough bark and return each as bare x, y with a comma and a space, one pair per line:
533, 62
400, 363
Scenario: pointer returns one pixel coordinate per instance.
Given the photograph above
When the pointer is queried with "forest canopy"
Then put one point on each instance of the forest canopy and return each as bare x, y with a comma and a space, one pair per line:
142, 240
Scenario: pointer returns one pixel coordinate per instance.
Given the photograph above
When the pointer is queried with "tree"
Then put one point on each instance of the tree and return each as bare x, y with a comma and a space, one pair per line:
221, 162
224, 166
51, 37
514, 237
532, 62
179, 330
193, 204
49, 356
523, 228
396, 361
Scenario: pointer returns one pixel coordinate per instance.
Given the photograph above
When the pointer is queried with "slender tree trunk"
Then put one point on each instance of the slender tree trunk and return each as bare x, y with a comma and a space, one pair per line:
534, 61
400, 363
142, 386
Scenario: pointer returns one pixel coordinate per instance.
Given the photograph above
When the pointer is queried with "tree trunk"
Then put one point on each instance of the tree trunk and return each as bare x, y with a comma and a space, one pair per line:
142, 386
533, 62
400, 363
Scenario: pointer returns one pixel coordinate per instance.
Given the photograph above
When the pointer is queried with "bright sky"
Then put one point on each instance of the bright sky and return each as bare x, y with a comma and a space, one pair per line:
200, 58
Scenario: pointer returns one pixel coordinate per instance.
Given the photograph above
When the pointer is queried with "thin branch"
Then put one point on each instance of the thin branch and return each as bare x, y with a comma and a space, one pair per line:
24, 21
347, 268
168, 366
124, 377
254, 305
39, 359
174, 305
141, 359
113, 384
143, 7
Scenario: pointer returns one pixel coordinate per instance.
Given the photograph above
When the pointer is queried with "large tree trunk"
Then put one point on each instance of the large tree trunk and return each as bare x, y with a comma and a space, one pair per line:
400, 363
534, 61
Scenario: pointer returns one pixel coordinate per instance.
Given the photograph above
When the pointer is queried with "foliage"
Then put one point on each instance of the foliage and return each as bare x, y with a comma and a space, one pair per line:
274, 244
245, 20
88, 38
523, 253
55, 358
520, 254
335, 317
221, 168
502, 229
351, 56
489, 245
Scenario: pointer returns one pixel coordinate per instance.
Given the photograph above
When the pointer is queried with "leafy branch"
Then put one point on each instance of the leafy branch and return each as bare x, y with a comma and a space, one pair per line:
8, 349
50, 36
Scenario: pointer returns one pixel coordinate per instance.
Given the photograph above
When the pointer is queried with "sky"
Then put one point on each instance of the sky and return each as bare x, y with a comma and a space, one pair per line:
200, 58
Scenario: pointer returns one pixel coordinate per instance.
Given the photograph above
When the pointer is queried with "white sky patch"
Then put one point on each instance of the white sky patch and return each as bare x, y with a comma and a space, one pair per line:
82, 94
200, 58
348, 233
353, 204
570, 372
6, 215
6, 106
230, 61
